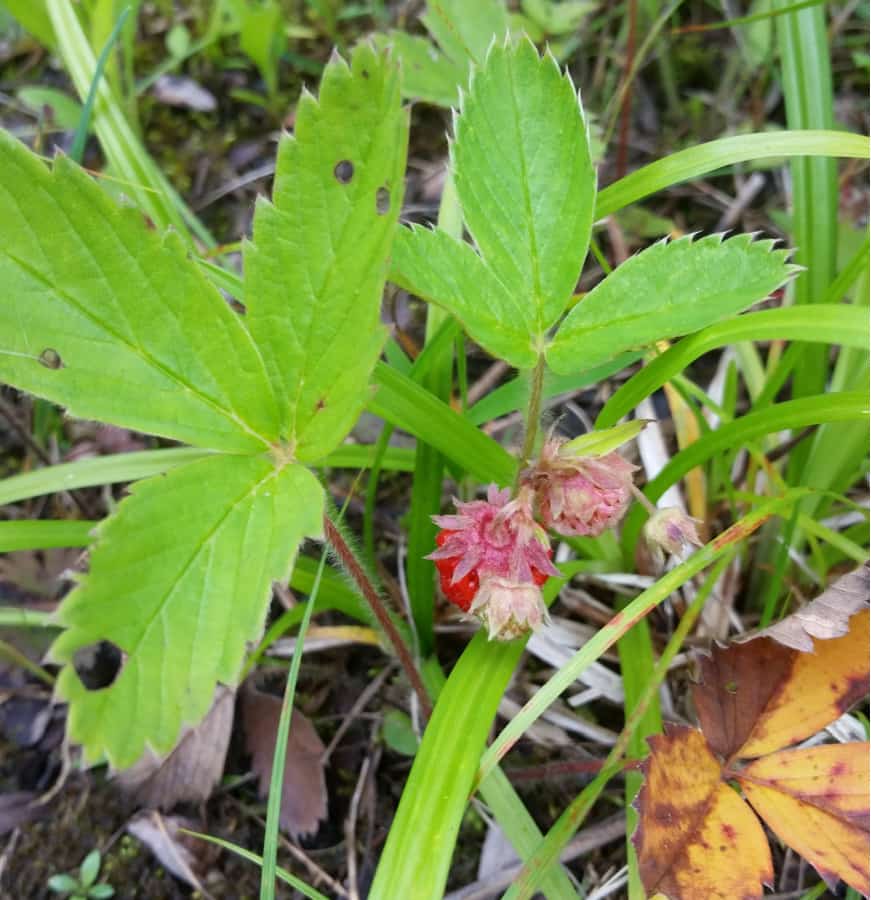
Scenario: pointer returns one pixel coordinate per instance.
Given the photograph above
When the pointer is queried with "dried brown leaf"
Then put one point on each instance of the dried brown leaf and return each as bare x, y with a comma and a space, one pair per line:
826, 617
193, 768
18, 808
761, 695
737, 684
174, 850
304, 789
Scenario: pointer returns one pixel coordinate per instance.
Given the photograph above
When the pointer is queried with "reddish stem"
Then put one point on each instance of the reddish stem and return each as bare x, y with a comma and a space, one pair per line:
626, 105
373, 598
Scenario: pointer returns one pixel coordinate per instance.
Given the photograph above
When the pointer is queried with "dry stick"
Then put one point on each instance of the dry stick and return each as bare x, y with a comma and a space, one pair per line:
373, 598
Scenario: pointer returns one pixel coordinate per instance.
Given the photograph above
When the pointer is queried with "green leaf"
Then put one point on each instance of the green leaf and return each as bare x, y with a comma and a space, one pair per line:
262, 38
101, 892
64, 110
702, 159
108, 318
62, 884
670, 289
398, 733
525, 180
89, 869
561, 17
598, 443
315, 271
427, 74
443, 270
465, 30
34, 18
835, 324
178, 41
527, 188
181, 598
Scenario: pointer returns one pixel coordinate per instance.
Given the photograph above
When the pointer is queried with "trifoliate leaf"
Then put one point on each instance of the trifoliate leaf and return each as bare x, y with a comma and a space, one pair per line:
106, 317
315, 271
527, 188
180, 579
525, 179
670, 289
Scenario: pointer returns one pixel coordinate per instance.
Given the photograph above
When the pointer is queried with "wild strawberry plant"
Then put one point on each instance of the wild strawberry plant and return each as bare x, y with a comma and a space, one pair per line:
116, 321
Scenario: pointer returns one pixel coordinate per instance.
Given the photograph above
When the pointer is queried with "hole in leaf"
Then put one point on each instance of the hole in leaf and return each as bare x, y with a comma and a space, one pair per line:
50, 358
382, 201
344, 171
364, 73
98, 664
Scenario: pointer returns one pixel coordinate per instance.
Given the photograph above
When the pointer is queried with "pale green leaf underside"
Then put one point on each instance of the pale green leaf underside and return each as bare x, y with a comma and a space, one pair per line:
437, 267
315, 271
143, 339
525, 179
668, 290
179, 581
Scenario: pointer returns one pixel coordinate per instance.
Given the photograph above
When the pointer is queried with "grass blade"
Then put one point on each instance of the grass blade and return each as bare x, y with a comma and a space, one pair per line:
713, 155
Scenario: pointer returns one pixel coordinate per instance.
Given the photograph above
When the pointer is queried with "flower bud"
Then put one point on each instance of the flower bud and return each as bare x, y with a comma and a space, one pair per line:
580, 495
508, 609
668, 530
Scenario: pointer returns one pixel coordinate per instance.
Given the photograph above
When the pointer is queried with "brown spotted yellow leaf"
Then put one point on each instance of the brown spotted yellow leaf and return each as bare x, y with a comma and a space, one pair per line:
696, 838
816, 801
761, 696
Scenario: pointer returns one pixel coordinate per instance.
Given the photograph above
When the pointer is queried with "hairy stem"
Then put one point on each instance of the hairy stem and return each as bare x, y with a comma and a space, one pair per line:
361, 578
533, 414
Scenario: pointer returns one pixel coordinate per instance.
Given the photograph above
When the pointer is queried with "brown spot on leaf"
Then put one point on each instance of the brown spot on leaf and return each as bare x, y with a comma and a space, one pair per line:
50, 358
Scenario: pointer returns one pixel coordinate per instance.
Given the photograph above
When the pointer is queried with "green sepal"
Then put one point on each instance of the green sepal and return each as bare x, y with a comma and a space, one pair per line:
598, 443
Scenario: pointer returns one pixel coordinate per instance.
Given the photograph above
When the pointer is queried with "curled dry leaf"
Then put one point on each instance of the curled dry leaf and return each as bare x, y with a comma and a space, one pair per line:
304, 789
177, 852
696, 837
193, 767
826, 617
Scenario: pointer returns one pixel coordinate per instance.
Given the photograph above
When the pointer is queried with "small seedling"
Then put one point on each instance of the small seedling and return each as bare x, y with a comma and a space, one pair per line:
82, 887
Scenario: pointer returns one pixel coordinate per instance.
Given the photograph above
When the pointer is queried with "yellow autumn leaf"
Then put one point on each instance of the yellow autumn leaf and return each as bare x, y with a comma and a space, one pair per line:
816, 801
820, 687
696, 838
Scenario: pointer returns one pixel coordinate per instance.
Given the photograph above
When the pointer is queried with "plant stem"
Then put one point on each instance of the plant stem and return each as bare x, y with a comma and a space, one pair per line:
533, 414
358, 572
